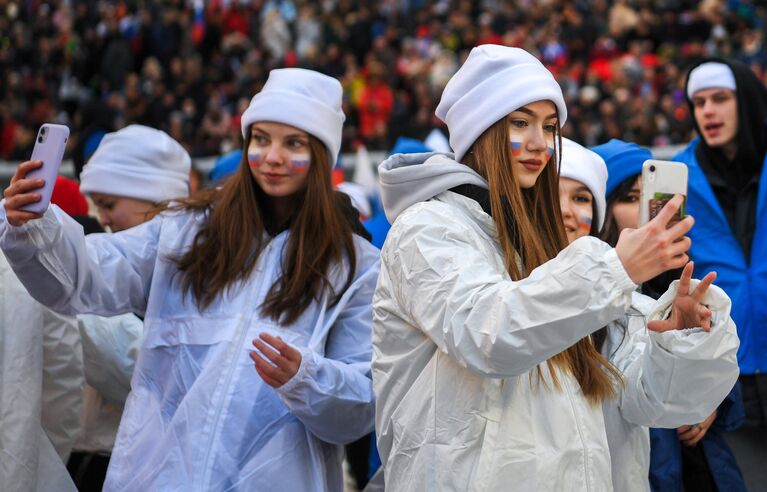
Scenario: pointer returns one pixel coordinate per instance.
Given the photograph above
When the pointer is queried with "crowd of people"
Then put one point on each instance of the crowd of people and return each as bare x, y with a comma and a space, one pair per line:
504, 321
190, 67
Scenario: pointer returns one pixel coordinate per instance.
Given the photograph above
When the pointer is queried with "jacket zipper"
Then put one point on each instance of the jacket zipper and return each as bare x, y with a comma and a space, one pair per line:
580, 434
243, 330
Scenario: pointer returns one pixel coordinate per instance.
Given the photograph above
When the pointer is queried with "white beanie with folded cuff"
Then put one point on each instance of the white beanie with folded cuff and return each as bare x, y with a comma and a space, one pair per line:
138, 162
711, 75
305, 99
493, 82
587, 167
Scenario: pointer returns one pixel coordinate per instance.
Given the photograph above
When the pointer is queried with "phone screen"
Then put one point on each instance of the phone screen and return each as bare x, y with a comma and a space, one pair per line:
659, 200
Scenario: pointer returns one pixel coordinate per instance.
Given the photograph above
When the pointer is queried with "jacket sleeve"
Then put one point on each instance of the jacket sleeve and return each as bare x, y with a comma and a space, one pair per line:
453, 291
333, 394
731, 413
110, 350
62, 390
680, 376
105, 274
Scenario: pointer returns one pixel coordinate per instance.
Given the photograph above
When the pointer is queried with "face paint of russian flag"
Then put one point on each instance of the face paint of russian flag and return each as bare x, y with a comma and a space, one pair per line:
516, 148
299, 162
254, 159
584, 224
549, 152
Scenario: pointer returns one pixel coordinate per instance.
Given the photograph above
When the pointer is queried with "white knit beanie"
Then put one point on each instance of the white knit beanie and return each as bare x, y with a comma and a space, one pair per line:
305, 99
138, 162
711, 75
494, 81
587, 167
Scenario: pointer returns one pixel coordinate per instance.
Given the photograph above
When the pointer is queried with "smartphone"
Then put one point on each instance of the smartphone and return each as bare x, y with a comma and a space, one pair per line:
661, 180
49, 148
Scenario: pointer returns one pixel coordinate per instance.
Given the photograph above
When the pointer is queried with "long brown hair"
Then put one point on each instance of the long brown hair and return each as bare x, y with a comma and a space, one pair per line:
530, 224
228, 245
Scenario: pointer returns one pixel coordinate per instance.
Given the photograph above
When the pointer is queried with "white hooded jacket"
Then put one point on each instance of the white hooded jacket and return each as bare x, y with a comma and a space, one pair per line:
41, 380
199, 417
457, 346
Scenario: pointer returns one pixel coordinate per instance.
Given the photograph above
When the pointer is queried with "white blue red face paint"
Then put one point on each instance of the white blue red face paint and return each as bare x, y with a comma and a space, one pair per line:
516, 149
254, 159
584, 225
299, 162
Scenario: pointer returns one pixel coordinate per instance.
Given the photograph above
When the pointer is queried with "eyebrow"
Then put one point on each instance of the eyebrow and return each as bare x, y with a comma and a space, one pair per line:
583, 188
530, 112
264, 132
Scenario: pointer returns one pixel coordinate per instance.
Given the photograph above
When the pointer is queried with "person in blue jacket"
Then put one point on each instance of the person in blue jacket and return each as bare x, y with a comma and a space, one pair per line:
691, 457
728, 198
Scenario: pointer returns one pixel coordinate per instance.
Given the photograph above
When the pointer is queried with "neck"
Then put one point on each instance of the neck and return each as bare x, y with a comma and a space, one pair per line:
730, 149
282, 208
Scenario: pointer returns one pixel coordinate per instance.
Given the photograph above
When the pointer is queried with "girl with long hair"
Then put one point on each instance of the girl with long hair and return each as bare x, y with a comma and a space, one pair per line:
485, 375
673, 377
270, 257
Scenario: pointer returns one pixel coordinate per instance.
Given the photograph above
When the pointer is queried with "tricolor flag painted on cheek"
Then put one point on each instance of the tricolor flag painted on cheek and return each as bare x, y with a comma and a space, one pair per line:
549, 152
254, 160
584, 224
299, 162
516, 148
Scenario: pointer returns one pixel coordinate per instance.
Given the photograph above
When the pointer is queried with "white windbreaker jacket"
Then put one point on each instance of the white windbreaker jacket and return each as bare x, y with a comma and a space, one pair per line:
671, 379
457, 346
41, 381
199, 417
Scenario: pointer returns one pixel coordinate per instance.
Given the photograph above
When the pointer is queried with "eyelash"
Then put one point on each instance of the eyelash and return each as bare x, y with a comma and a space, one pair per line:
261, 141
582, 198
522, 124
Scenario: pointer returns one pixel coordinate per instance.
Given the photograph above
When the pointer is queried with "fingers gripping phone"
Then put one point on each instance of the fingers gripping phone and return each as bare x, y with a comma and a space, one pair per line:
661, 180
49, 148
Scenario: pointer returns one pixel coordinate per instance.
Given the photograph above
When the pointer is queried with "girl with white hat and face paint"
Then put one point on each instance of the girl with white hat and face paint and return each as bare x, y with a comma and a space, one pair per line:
727, 193
266, 267
651, 356
484, 372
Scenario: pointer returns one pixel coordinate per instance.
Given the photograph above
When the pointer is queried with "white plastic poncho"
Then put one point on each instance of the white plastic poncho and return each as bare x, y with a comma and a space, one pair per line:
457, 345
199, 417
41, 380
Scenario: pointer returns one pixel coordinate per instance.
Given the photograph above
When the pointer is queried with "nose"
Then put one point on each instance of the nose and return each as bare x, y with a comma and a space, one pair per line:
565, 208
537, 140
104, 219
274, 155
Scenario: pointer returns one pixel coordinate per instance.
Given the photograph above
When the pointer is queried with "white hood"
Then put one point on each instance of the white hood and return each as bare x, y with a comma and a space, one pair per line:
407, 179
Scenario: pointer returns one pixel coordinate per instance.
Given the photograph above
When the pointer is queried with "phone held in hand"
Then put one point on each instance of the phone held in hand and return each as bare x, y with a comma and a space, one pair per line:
49, 148
661, 180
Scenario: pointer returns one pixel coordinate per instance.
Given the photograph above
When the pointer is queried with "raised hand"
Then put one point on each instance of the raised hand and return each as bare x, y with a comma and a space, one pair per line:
687, 310
653, 248
21, 192
285, 360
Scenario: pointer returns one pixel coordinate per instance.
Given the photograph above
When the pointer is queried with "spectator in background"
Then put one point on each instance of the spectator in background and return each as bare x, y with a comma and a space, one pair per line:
727, 193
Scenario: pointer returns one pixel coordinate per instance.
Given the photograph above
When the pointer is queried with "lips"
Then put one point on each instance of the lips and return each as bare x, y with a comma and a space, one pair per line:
532, 164
713, 128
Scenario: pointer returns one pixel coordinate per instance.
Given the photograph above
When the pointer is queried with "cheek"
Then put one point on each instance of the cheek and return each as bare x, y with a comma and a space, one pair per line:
254, 159
516, 147
626, 215
299, 163
584, 219
549, 152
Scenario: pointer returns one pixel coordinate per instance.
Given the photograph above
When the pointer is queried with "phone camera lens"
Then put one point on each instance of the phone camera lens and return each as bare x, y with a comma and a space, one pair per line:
652, 169
42, 130
40, 139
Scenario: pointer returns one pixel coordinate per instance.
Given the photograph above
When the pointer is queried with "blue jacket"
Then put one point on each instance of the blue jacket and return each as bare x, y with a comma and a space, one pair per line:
714, 247
666, 451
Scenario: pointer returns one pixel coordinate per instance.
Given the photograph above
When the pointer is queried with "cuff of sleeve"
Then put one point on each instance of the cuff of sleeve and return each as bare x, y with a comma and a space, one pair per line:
622, 278
307, 360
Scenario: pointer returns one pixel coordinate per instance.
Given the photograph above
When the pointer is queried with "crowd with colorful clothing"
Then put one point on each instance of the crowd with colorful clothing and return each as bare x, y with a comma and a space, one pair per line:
505, 321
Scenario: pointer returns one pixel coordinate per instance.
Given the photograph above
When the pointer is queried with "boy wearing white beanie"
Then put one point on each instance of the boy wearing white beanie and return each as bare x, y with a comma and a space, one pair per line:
132, 171
266, 266
484, 372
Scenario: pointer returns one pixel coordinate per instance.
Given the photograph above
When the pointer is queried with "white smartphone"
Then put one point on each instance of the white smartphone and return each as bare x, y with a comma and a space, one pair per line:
49, 148
661, 180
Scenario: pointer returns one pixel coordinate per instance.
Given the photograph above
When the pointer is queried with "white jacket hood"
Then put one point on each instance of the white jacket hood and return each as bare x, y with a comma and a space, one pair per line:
407, 179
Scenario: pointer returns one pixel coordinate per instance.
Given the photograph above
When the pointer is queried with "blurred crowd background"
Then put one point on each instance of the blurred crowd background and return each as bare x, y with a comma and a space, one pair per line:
191, 67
